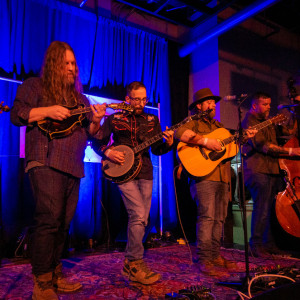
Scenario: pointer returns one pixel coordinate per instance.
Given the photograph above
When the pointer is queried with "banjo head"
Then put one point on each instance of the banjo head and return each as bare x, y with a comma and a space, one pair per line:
112, 169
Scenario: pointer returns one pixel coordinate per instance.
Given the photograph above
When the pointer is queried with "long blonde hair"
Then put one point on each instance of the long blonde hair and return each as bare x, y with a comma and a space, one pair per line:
56, 88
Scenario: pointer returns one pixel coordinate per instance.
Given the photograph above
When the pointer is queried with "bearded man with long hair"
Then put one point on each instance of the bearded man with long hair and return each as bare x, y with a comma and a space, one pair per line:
55, 166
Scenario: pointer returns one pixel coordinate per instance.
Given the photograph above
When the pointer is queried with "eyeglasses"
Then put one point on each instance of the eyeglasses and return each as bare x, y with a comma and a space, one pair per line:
144, 100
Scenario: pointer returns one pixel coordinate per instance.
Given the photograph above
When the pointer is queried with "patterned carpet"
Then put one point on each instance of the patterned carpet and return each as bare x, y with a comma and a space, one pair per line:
101, 278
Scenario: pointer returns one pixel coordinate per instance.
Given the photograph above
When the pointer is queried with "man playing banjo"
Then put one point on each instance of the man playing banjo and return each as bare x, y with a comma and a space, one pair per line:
133, 129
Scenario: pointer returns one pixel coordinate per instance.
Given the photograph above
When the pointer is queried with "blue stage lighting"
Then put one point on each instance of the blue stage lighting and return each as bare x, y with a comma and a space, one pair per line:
226, 25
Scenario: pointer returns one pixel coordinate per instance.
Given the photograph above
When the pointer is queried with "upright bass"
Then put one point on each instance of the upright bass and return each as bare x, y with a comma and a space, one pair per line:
287, 205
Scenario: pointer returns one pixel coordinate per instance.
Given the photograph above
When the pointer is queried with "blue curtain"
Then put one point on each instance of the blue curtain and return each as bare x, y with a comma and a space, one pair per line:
11, 205
29, 26
125, 54
121, 54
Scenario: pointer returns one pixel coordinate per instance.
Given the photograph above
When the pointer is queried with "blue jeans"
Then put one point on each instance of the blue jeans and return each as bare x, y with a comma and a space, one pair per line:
212, 199
263, 189
56, 196
136, 195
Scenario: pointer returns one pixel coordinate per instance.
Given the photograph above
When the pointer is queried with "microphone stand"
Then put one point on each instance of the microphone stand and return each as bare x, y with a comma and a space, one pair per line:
241, 192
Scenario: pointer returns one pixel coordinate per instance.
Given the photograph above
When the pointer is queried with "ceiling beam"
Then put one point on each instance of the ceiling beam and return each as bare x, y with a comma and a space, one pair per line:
187, 23
226, 25
200, 6
161, 5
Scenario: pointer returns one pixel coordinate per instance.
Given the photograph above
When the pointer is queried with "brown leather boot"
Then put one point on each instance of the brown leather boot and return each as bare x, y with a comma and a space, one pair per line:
221, 261
207, 268
43, 287
62, 283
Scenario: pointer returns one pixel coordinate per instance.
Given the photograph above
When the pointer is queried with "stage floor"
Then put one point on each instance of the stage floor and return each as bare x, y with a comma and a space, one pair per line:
101, 278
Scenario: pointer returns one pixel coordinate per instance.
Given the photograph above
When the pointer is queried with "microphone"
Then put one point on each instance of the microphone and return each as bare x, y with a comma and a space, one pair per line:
281, 106
234, 97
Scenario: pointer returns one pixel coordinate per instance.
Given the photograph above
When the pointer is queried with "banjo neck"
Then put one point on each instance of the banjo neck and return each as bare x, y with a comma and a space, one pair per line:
139, 148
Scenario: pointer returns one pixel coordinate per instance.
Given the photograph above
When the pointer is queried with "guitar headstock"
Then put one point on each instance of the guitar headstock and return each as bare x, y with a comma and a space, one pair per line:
279, 119
3, 107
121, 106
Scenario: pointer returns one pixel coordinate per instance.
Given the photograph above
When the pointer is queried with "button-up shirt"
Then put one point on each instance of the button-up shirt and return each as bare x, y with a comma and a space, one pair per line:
203, 127
257, 159
64, 154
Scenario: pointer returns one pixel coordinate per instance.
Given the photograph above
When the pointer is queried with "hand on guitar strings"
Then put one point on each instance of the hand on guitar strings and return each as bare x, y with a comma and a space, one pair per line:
248, 134
212, 144
251, 132
98, 112
115, 156
169, 136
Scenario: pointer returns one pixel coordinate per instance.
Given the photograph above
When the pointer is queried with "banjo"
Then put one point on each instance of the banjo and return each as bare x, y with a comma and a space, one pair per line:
133, 159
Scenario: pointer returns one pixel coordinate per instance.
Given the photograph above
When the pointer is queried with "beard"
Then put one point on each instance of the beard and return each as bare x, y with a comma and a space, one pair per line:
138, 110
70, 79
264, 115
212, 114
267, 113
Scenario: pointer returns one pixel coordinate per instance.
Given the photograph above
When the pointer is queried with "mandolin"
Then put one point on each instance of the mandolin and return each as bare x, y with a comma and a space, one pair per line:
133, 159
199, 161
57, 129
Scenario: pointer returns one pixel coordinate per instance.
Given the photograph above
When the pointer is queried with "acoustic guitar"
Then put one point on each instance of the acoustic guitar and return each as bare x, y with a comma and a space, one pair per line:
133, 159
57, 129
199, 161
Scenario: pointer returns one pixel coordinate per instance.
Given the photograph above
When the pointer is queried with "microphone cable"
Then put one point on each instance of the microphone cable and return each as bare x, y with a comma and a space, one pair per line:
179, 218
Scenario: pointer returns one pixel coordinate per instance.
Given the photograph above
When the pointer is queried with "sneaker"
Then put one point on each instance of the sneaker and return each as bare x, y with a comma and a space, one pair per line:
220, 261
207, 268
138, 271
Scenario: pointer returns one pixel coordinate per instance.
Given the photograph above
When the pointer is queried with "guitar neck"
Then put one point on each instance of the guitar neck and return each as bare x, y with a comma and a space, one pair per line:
159, 136
257, 127
83, 110
228, 140
263, 124
79, 111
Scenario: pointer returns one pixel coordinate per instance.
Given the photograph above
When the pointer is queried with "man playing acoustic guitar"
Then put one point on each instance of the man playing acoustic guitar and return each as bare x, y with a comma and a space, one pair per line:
210, 192
54, 166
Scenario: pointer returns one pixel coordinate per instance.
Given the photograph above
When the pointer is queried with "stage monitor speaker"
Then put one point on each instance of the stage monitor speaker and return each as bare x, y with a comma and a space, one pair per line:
284, 292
